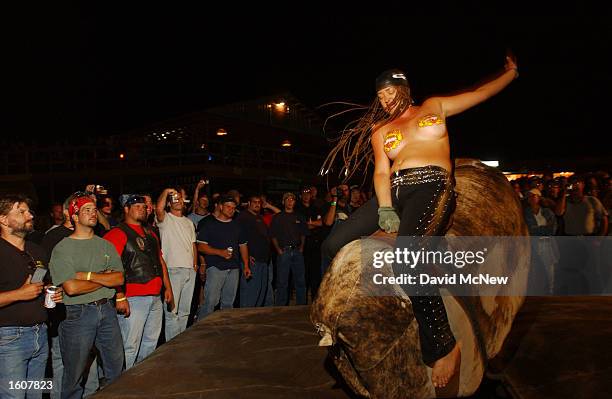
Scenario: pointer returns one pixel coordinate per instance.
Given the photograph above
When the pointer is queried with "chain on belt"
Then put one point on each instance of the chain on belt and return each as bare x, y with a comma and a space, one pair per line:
413, 176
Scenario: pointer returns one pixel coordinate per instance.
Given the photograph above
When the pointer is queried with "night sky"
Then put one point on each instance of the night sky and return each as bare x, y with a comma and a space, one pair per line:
93, 71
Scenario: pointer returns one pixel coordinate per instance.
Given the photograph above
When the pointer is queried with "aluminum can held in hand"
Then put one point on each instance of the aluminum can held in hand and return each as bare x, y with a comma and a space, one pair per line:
51, 290
230, 250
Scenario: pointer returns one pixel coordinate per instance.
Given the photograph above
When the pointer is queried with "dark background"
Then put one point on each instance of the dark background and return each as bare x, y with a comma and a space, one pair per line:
85, 71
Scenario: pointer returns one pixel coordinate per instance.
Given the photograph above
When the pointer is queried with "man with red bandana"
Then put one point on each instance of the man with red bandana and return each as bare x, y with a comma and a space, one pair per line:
88, 268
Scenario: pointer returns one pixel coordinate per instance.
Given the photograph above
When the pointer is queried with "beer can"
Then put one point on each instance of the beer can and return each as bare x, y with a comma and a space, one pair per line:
231, 250
51, 290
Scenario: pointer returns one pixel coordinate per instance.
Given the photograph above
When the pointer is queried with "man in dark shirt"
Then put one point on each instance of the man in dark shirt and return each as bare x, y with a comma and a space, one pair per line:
337, 212
288, 232
219, 239
23, 332
253, 291
138, 302
55, 235
312, 247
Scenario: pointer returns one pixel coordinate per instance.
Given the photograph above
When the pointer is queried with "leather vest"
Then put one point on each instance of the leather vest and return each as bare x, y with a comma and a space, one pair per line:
140, 256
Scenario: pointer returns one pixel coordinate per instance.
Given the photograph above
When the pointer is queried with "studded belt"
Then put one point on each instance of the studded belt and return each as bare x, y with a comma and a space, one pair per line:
420, 175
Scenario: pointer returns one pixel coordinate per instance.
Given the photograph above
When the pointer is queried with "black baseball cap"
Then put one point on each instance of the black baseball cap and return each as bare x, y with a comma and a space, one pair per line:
391, 77
131, 199
227, 198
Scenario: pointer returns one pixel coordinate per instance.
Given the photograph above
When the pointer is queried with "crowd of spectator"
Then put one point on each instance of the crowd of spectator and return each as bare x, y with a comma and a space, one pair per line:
131, 273
578, 207
134, 271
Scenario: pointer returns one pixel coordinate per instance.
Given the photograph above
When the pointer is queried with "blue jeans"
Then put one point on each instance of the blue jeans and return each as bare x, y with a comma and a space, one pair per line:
182, 280
84, 327
140, 331
220, 285
23, 357
92, 384
290, 260
269, 301
253, 290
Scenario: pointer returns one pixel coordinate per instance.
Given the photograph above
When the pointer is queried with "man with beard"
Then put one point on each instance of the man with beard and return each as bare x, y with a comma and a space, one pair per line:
139, 304
88, 268
23, 333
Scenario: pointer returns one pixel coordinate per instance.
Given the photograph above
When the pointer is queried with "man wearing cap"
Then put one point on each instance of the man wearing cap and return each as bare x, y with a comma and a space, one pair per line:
138, 303
179, 251
88, 268
221, 239
288, 234
540, 221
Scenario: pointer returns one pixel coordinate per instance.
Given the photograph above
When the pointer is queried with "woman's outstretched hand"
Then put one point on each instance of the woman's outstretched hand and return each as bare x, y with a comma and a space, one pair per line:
511, 63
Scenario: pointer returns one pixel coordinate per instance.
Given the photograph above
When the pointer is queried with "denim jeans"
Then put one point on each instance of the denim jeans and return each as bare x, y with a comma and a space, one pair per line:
140, 331
291, 260
182, 280
92, 384
253, 290
23, 357
220, 285
87, 326
269, 301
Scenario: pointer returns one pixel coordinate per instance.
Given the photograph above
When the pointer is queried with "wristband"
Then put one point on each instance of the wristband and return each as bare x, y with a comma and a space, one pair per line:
88, 276
333, 203
120, 299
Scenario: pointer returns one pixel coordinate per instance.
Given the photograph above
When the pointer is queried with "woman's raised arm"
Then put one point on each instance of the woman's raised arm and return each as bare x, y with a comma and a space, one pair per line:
456, 104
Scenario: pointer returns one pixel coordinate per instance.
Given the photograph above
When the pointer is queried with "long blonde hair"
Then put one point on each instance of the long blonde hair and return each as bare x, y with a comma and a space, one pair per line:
353, 145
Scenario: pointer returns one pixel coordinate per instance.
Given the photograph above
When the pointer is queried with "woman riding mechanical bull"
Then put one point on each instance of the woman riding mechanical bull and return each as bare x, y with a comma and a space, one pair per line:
414, 188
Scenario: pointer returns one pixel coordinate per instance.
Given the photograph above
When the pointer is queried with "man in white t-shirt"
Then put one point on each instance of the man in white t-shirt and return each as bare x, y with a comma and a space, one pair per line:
583, 215
179, 251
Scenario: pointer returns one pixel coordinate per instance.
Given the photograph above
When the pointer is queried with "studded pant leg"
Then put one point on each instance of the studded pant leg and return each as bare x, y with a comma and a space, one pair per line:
425, 201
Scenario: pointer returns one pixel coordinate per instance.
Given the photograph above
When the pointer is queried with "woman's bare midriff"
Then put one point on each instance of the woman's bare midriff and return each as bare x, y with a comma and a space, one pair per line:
424, 146
423, 153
